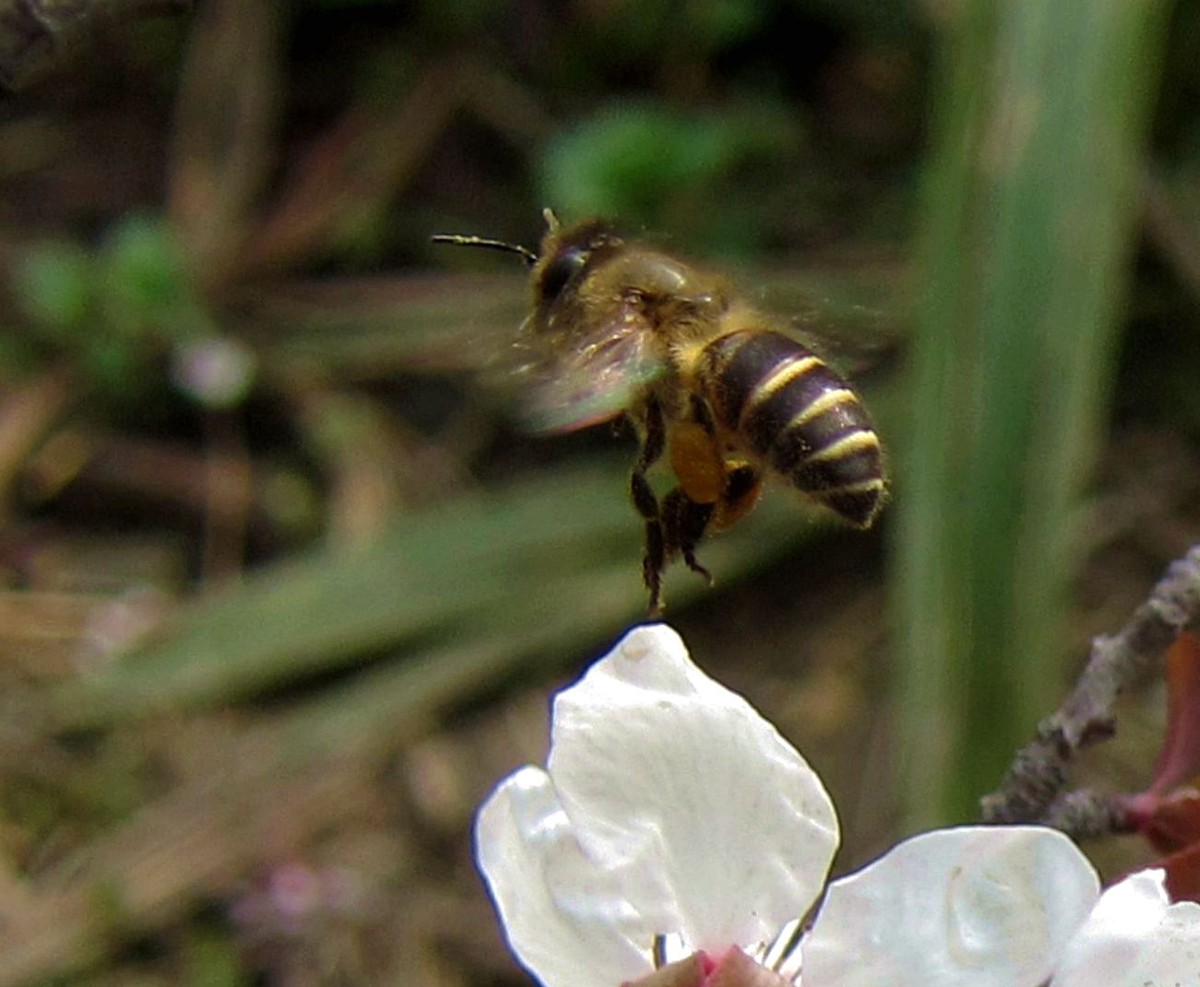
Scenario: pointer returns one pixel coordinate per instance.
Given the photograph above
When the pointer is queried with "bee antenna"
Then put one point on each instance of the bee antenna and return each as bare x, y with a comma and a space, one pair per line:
459, 240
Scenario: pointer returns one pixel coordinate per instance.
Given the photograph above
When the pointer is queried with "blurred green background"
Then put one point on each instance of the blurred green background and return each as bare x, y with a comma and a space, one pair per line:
285, 585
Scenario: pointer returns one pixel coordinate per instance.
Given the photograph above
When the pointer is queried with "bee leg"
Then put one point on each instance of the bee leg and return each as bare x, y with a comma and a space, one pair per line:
654, 552
654, 557
654, 561
702, 415
654, 438
684, 523
743, 484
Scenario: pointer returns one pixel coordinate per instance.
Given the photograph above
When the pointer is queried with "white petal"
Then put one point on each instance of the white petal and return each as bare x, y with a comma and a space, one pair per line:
1135, 938
732, 831
985, 906
564, 915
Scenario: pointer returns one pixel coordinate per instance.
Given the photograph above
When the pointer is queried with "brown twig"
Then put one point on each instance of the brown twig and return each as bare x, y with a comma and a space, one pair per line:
1034, 789
229, 493
27, 413
224, 138
92, 463
364, 159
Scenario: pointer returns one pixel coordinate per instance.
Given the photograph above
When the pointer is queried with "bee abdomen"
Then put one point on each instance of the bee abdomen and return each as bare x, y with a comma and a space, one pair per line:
798, 414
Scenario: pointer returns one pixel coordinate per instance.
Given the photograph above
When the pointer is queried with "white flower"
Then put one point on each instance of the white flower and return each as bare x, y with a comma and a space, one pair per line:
215, 371
669, 807
671, 811
1135, 936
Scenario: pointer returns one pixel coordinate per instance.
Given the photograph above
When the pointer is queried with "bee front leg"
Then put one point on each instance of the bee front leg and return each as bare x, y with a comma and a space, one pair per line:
654, 557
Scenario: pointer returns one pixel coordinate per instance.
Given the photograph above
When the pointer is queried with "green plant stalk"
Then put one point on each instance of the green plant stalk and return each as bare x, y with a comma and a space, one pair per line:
1029, 204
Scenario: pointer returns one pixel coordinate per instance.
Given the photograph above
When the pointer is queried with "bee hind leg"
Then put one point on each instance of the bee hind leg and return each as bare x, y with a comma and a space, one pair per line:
684, 524
743, 484
685, 521
655, 554
654, 561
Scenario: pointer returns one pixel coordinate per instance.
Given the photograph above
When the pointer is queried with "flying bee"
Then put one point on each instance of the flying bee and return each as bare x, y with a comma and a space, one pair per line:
621, 328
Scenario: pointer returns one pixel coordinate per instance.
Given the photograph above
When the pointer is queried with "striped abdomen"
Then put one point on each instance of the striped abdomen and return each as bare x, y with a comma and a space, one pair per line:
798, 415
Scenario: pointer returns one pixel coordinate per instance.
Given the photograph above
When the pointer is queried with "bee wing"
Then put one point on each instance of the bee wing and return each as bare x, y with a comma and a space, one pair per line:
590, 381
858, 351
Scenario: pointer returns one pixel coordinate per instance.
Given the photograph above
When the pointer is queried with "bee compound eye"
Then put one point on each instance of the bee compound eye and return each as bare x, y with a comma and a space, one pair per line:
561, 269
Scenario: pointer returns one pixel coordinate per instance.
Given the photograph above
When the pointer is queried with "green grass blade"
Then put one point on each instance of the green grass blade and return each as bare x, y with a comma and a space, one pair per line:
1029, 204
548, 564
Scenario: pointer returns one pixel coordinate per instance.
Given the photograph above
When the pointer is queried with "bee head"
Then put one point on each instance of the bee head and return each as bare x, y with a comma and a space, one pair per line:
559, 270
563, 255
566, 253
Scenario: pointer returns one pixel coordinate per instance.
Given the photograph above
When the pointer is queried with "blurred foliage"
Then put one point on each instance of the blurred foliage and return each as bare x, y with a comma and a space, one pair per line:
666, 168
215, 342
111, 312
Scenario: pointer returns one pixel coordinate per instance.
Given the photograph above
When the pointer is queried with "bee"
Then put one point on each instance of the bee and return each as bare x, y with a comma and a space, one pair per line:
621, 328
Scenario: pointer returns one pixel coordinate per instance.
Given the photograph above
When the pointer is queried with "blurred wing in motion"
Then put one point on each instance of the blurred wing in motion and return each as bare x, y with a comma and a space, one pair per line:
571, 383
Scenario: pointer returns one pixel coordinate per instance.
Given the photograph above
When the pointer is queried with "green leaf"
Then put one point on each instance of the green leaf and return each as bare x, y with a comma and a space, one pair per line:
143, 285
54, 288
643, 162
